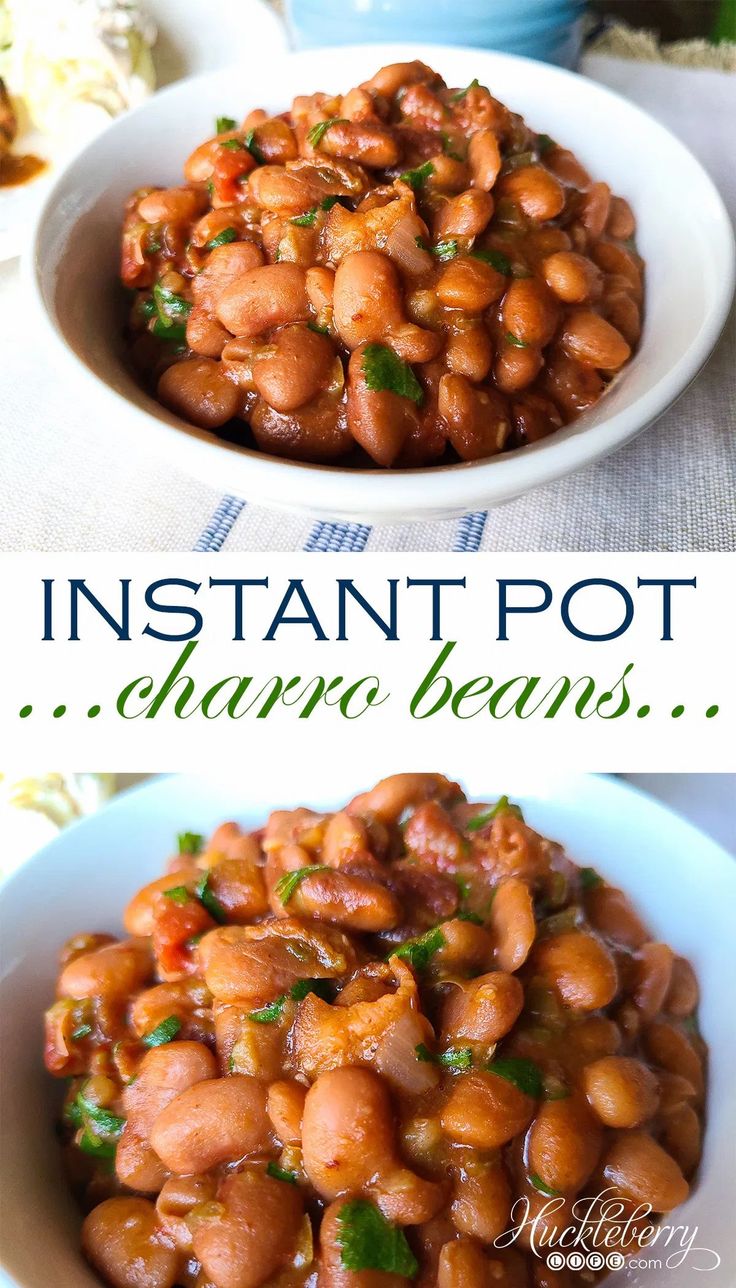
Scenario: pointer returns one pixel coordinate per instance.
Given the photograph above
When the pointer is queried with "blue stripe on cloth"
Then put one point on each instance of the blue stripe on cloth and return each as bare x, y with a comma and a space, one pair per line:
220, 525
470, 531
335, 537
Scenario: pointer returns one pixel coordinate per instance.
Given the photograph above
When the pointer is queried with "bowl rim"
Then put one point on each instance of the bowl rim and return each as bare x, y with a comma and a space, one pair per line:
417, 493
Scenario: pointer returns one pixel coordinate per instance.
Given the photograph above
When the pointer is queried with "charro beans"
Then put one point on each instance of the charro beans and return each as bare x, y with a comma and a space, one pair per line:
432, 224
340, 1049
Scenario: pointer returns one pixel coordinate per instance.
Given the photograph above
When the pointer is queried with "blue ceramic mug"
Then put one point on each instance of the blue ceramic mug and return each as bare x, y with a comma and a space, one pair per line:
545, 29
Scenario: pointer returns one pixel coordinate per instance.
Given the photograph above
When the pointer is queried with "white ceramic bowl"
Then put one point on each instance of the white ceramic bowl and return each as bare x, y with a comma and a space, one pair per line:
683, 884
684, 235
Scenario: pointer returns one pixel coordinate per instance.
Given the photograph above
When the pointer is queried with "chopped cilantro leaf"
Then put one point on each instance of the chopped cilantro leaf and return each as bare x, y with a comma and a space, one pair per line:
250, 144
222, 239
224, 124
514, 339
83, 1031
233, 145
290, 881
367, 1241
307, 220
469, 916
174, 332
96, 1147
170, 307
524, 1074
384, 369
496, 259
463, 886
544, 143
447, 147
208, 899
270, 1013
318, 131
502, 806
539, 1184
474, 84
281, 1174
190, 842
164, 1032
328, 203
303, 986
589, 878
177, 894
418, 177
445, 250
419, 952
457, 1058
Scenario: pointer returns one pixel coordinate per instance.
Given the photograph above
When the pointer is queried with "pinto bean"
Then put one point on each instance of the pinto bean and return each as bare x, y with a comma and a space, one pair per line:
681, 1136
652, 977
530, 311
622, 1091
113, 972
484, 155
484, 1009
216, 1121
358, 903
369, 143
644, 1172
537, 192
137, 1165
262, 298
349, 1146
564, 1144
596, 207
683, 993
621, 223
285, 1109
299, 369
123, 1241
485, 1110
470, 284
611, 914
513, 925
379, 420
368, 306
178, 1196
225, 264
469, 352
580, 967
254, 964
163, 1073
320, 287
481, 1198
466, 215
252, 1232
198, 390
668, 1047
390, 79
588, 338
516, 368
391, 796
172, 205
478, 423
205, 335
573, 278
344, 837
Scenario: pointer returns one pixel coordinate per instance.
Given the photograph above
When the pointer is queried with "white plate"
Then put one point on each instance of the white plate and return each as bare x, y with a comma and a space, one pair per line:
683, 884
684, 234
186, 46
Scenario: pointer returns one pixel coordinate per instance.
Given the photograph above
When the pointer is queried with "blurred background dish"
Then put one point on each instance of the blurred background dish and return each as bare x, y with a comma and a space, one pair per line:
71, 67
550, 30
